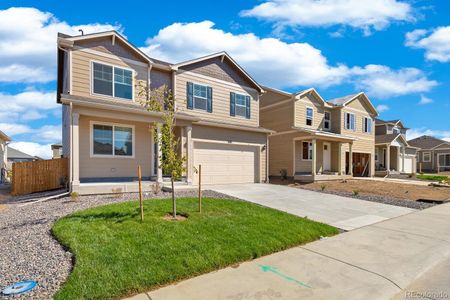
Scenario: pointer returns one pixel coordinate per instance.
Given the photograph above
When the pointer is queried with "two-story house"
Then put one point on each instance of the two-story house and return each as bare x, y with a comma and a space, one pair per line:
317, 139
393, 154
433, 154
107, 133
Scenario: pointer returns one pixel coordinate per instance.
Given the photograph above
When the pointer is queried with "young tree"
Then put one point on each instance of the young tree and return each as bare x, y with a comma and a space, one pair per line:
170, 161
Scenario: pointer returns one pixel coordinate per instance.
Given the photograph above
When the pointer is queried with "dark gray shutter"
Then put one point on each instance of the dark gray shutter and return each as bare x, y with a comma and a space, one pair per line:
190, 95
247, 104
232, 104
209, 98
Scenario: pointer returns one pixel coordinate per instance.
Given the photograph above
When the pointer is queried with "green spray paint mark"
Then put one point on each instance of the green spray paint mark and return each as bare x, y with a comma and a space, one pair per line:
274, 270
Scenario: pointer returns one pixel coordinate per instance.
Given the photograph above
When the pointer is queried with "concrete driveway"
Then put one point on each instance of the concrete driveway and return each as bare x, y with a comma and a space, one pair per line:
341, 212
396, 258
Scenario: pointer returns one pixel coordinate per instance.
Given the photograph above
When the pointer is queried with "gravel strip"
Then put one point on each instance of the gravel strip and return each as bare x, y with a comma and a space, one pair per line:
28, 250
379, 199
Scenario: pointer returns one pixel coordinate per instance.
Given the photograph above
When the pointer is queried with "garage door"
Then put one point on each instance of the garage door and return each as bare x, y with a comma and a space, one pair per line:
409, 164
223, 163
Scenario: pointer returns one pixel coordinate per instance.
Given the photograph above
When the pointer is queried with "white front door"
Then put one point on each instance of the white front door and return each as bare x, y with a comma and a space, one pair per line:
326, 156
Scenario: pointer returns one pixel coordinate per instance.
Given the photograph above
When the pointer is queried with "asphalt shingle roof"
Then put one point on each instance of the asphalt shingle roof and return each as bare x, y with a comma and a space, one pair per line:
14, 153
385, 138
341, 100
426, 142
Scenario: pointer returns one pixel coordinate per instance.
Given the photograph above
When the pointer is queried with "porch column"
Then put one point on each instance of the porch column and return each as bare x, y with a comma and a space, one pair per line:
350, 159
75, 149
313, 157
189, 154
388, 158
403, 159
340, 158
159, 176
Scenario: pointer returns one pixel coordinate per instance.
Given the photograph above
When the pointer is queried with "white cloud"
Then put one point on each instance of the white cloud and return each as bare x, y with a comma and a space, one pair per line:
382, 108
28, 43
436, 42
382, 81
12, 129
49, 133
281, 64
32, 115
440, 134
425, 100
35, 149
367, 15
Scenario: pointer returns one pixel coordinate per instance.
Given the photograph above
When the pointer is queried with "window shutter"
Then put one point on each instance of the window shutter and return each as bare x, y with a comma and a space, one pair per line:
232, 104
247, 104
209, 99
189, 94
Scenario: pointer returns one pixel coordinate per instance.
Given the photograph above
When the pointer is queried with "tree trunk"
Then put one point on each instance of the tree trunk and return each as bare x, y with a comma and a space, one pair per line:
174, 203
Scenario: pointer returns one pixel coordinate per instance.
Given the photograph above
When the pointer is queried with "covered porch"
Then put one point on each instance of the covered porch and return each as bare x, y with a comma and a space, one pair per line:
320, 156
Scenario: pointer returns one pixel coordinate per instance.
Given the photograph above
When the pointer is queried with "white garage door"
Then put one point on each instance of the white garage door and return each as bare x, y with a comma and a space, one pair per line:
224, 163
409, 164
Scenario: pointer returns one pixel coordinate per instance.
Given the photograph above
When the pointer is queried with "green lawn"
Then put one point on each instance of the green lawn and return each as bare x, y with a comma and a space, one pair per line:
116, 255
432, 177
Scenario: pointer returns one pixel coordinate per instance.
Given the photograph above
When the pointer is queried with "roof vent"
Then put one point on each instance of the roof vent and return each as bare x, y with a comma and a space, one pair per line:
81, 31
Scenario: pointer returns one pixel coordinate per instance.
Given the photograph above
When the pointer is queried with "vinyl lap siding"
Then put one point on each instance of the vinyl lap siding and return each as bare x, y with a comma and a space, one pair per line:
278, 118
221, 100
300, 112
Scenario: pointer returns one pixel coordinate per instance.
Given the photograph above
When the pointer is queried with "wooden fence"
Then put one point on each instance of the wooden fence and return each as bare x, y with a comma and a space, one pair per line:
38, 176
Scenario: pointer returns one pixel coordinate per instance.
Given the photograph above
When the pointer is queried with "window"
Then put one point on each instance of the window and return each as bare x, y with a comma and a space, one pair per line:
112, 81
241, 105
200, 96
426, 157
327, 120
396, 130
349, 121
306, 150
367, 125
111, 140
309, 116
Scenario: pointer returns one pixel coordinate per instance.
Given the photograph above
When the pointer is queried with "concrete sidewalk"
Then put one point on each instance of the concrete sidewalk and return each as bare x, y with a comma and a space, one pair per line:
342, 212
379, 261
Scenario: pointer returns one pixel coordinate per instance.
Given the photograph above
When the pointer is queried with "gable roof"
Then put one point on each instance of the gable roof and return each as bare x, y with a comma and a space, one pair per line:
389, 138
379, 122
223, 55
345, 100
4, 137
426, 142
68, 41
15, 154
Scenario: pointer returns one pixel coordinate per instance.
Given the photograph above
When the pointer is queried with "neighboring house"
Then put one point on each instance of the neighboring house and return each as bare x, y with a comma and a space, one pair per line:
393, 154
317, 139
107, 134
433, 154
15, 155
4, 140
56, 151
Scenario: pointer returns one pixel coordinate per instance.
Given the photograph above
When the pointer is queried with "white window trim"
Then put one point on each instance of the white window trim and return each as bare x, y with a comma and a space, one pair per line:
193, 97
133, 74
329, 121
91, 140
306, 116
439, 157
345, 121
423, 157
245, 106
369, 119
309, 150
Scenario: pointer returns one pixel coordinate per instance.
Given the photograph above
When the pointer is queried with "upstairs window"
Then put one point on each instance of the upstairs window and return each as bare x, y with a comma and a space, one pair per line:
367, 125
327, 120
112, 81
309, 116
239, 105
350, 121
200, 96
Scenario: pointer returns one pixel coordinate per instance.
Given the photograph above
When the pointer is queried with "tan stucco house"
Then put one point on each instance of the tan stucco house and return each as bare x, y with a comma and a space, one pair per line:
393, 154
433, 154
317, 139
4, 140
107, 133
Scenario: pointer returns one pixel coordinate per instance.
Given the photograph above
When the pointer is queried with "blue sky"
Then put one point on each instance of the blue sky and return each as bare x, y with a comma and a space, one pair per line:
397, 51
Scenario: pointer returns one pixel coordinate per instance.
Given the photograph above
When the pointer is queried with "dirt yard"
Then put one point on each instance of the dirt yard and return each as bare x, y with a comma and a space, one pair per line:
386, 189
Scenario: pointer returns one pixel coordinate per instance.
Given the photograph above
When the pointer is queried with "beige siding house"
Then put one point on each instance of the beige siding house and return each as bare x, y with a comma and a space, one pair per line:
107, 134
393, 154
317, 139
433, 155
4, 140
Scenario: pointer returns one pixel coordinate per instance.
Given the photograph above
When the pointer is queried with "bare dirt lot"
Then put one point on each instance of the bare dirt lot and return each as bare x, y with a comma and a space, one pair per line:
385, 189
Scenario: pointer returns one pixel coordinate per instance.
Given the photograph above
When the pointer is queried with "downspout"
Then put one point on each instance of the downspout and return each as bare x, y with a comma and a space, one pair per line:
71, 148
